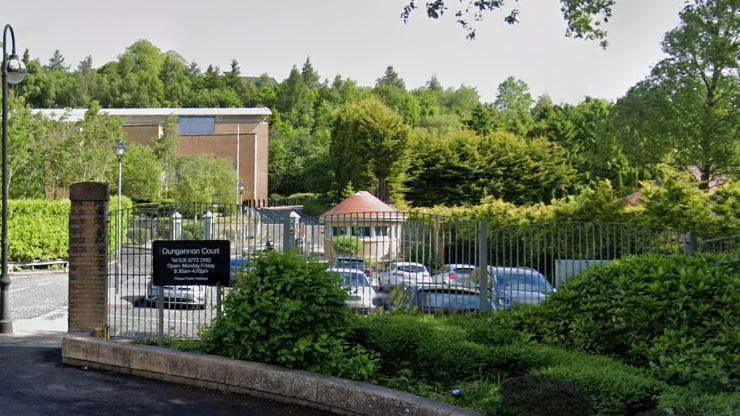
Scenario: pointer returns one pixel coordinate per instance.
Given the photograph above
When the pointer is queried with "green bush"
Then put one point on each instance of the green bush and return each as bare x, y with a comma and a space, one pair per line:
38, 229
347, 246
314, 207
204, 178
614, 389
532, 395
683, 402
289, 312
142, 174
677, 315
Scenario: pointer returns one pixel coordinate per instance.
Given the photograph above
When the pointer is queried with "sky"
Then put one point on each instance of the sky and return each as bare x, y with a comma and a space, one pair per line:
358, 39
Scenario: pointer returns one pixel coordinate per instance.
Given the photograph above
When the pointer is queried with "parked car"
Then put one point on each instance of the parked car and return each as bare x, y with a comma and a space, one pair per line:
519, 285
177, 295
361, 293
405, 273
356, 263
456, 274
433, 298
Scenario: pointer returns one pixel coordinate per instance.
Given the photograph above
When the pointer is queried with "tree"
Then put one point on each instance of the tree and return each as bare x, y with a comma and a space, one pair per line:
141, 174
584, 17
56, 62
204, 178
481, 121
390, 78
369, 148
513, 101
310, 76
165, 152
687, 109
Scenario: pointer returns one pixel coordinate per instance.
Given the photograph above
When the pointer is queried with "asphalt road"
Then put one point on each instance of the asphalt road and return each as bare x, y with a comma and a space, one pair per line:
35, 382
35, 294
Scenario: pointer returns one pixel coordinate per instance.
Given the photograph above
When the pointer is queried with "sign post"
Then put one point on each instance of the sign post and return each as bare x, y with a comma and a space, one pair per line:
188, 263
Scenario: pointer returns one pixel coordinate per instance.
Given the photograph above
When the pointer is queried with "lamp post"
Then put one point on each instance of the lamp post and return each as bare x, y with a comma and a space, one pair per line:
13, 72
120, 151
240, 187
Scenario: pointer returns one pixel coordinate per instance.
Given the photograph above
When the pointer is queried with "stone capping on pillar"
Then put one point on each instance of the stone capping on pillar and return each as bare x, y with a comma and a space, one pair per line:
88, 258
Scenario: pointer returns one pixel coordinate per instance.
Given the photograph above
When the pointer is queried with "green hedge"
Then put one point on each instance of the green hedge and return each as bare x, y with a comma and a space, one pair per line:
38, 229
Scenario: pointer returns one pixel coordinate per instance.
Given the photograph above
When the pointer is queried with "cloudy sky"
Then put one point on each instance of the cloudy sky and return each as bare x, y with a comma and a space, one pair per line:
358, 39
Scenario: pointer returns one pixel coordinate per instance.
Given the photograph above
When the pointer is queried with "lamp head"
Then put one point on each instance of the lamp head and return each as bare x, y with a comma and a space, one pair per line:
241, 186
15, 70
120, 149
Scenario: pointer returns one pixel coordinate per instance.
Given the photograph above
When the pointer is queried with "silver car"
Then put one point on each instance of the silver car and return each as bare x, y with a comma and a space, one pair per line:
177, 295
361, 294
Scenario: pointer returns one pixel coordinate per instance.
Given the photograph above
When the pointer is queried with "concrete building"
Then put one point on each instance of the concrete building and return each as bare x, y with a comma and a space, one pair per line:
217, 131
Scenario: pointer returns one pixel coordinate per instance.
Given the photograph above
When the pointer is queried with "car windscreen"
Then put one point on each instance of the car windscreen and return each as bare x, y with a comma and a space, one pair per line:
411, 268
451, 301
522, 280
350, 264
464, 271
353, 279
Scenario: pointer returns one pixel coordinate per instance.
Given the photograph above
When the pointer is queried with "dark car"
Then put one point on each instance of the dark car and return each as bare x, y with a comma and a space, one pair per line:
436, 299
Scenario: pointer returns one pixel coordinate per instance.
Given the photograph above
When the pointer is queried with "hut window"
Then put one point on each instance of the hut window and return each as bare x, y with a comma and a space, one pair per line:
337, 231
381, 231
361, 231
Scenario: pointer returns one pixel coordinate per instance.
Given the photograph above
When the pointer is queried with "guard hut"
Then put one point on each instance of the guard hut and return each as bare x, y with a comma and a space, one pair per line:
371, 226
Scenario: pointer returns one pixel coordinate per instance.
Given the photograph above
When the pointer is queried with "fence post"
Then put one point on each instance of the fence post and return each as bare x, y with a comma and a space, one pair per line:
483, 265
88, 258
208, 225
176, 229
287, 234
690, 243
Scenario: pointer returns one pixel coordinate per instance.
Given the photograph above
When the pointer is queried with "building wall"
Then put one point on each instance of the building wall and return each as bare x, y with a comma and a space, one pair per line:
253, 134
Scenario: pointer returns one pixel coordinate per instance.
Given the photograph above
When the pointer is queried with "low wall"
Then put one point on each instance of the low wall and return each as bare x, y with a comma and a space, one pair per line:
336, 395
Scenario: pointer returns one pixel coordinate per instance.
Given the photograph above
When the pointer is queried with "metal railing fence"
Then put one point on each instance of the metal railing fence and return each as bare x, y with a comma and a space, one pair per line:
388, 261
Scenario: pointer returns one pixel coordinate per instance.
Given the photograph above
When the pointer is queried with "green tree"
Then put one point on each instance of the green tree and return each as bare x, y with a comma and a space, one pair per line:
513, 101
165, 152
141, 174
481, 121
204, 178
56, 62
369, 148
686, 111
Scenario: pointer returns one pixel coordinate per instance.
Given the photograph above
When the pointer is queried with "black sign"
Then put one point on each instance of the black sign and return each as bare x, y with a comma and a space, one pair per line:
191, 262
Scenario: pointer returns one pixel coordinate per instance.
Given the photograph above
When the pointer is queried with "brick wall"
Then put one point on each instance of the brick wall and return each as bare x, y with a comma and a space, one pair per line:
88, 258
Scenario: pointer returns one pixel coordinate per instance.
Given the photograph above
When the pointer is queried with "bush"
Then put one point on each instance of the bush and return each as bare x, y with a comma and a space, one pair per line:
677, 315
314, 208
204, 178
614, 389
289, 312
142, 174
347, 246
683, 402
532, 395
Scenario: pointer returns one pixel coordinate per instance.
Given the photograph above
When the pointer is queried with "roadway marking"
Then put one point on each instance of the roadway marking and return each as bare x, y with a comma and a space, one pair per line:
19, 289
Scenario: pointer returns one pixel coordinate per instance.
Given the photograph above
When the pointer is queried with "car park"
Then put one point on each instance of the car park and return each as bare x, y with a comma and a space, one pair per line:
356, 263
361, 293
519, 286
432, 298
456, 274
177, 295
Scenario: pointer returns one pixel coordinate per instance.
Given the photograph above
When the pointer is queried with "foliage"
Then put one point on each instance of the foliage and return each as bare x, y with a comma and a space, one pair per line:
584, 18
533, 395
165, 150
290, 312
369, 148
680, 402
141, 174
347, 246
676, 315
204, 178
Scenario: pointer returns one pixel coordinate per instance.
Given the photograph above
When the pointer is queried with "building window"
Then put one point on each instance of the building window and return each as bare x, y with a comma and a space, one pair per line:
196, 126
361, 231
338, 231
381, 231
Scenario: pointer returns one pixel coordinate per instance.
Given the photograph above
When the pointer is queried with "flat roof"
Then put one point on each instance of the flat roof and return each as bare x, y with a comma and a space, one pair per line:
77, 114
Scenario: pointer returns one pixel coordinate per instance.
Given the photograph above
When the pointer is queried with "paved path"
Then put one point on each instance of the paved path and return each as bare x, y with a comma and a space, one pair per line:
35, 382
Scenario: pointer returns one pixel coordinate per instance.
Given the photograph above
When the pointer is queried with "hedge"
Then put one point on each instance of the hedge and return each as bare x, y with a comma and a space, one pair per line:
38, 229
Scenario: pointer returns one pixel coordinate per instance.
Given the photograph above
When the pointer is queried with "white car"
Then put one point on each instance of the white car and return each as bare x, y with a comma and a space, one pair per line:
177, 295
361, 294
456, 274
406, 273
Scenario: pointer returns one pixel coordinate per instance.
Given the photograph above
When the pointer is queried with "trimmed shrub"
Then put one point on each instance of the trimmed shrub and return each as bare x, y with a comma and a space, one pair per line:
683, 402
289, 312
677, 315
614, 389
533, 395
347, 246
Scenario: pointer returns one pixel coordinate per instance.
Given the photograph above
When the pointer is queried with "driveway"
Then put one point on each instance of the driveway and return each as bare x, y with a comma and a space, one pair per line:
35, 382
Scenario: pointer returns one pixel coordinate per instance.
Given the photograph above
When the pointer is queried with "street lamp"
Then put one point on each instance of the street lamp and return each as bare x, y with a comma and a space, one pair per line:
13, 72
120, 151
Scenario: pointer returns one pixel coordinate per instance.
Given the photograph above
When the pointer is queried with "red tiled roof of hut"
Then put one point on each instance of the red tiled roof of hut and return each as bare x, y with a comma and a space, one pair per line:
361, 202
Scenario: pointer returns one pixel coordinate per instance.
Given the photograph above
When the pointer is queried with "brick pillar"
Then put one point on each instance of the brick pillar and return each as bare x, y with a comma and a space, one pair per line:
88, 258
